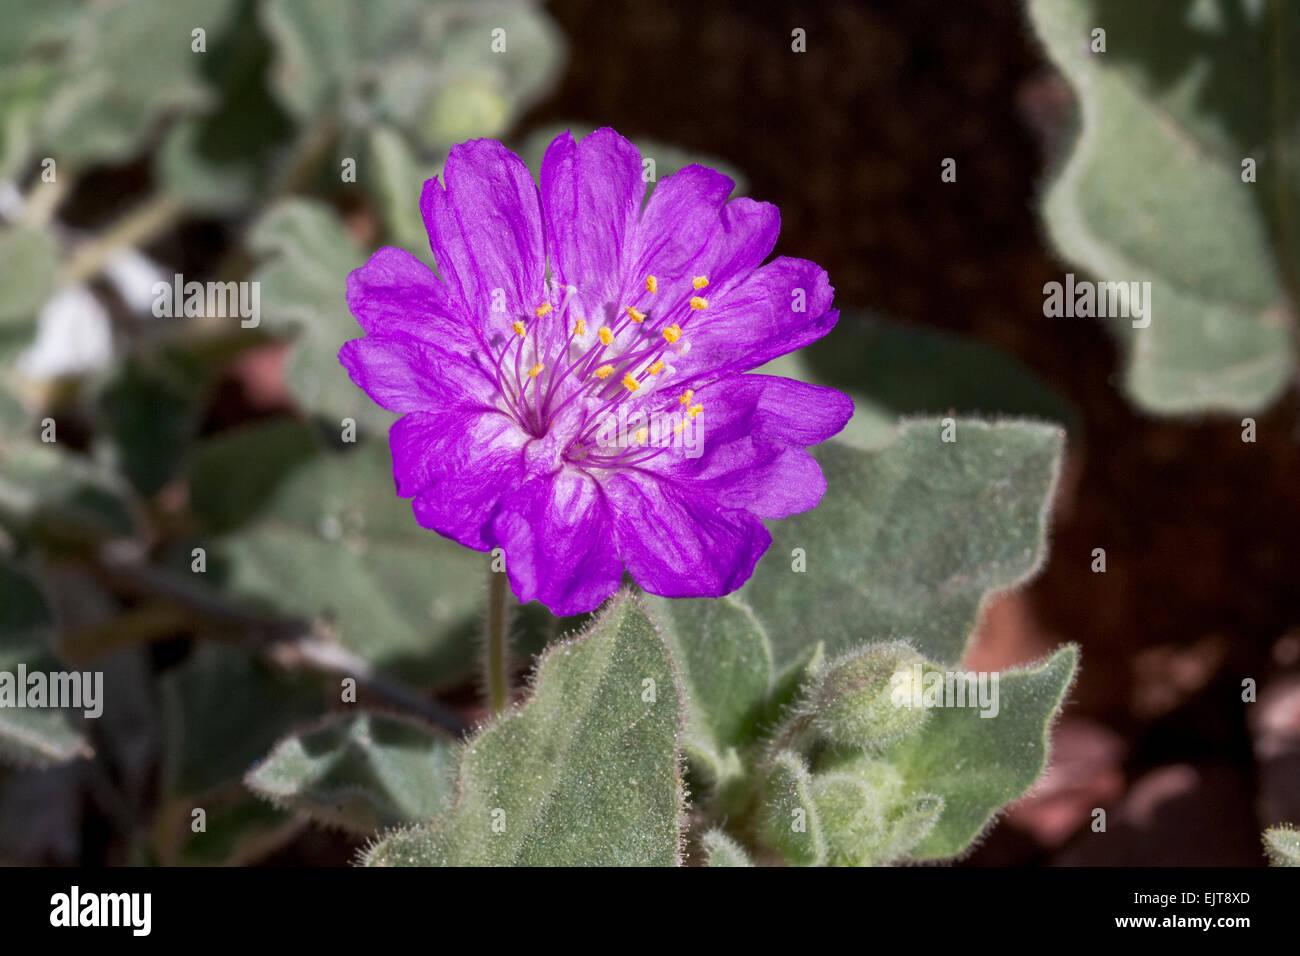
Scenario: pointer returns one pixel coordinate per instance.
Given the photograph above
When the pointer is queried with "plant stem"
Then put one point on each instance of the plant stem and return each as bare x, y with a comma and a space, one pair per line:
42, 200
142, 224
495, 636
289, 643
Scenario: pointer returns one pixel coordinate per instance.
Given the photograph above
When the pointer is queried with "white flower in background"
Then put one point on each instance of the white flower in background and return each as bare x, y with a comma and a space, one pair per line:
73, 330
134, 275
11, 200
73, 337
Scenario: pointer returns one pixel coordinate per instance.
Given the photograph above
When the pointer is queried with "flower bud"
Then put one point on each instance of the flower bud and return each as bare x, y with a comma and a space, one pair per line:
866, 700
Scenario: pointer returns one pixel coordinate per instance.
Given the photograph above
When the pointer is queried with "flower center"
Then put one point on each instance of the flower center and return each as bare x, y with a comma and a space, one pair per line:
585, 369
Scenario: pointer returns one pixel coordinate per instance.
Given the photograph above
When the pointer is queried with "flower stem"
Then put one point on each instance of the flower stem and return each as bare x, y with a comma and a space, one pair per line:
495, 637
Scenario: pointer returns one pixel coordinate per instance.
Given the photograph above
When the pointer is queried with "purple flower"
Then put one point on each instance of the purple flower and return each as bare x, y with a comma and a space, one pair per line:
573, 390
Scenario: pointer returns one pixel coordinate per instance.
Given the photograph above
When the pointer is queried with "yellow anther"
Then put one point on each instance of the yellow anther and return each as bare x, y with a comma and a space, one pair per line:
580, 326
700, 282
542, 309
536, 370
630, 383
605, 371
641, 435
687, 396
657, 367
673, 333
699, 302
694, 410
635, 314
606, 336
651, 284
678, 430
519, 329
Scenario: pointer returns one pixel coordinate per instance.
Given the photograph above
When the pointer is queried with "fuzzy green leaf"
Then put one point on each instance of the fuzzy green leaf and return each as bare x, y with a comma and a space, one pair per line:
332, 541
911, 538
725, 665
979, 764
868, 814
223, 710
1282, 844
60, 497
1183, 94
722, 850
583, 773
430, 69
34, 47
362, 772
31, 736
895, 369
112, 95
151, 406
787, 820
399, 180
239, 830
218, 162
233, 476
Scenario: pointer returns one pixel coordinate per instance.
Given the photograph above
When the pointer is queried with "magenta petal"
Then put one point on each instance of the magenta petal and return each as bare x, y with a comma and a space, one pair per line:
772, 407
406, 374
396, 292
591, 192
485, 230
754, 429
678, 545
778, 308
679, 218
745, 235
559, 542
741, 235
457, 464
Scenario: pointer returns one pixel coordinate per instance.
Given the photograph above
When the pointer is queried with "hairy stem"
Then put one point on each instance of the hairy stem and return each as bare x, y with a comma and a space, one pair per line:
496, 651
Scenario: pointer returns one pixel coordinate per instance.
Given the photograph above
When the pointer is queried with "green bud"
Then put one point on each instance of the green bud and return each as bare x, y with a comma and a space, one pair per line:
865, 699
867, 815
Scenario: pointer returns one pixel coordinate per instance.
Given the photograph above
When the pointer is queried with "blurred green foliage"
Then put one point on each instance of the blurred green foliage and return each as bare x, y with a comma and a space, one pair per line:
1177, 102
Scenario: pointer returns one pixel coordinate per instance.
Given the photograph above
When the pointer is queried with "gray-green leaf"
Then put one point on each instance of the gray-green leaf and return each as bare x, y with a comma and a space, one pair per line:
787, 819
910, 539
725, 664
442, 72
1182, 97
722, 850
1282, 844
29, 262
307, 255
586, 772
223, 709
331, 540
113, 95
30, 736
897, 369
362, 772
980, 764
